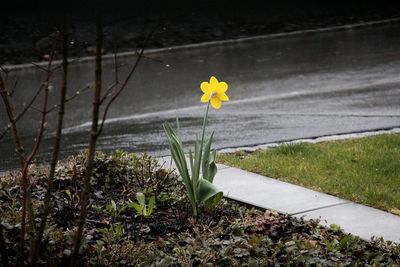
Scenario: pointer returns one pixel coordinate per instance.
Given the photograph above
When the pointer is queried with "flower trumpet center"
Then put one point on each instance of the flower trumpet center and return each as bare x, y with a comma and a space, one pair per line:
213, 94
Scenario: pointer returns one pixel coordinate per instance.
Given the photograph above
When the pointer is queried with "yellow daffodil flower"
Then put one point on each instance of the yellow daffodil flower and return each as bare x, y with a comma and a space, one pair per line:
214, 91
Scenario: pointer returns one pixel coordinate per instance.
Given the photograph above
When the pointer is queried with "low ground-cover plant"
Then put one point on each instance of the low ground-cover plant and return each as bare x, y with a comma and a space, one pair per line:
117, 178
141, 208
229, 235
364, 170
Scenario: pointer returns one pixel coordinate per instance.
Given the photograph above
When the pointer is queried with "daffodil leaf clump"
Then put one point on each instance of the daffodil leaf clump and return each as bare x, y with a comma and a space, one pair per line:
199, 190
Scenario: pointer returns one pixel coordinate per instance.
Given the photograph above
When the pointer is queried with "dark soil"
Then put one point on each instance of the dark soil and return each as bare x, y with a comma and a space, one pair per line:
117, 235
28, 32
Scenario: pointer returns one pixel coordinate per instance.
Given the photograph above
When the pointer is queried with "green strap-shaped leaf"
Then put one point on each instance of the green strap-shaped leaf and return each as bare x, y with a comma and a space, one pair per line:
176, 149
206, 158
180, 161
196, 170
208, 191
191, 161
199, 188
151, 206
178, 128
212, 167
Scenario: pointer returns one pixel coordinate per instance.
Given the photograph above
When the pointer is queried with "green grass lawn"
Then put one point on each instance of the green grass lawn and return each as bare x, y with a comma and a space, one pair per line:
365, 170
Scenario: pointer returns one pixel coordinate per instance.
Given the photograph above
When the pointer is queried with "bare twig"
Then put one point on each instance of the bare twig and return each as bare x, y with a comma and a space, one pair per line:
35, 249
30, 103
116, 80
96, 131
116, 67
14, 86
108, 92
5, 70
11, 117
21, 114
25, 162
39, 67
92, 145
154, 59
24, 177
69, 98
123, 85
36, 109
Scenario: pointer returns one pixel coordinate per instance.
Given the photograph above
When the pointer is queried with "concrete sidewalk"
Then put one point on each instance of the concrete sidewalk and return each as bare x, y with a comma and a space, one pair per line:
298, 201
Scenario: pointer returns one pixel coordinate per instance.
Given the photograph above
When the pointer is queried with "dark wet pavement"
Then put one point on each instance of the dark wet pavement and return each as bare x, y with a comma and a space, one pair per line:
281, 89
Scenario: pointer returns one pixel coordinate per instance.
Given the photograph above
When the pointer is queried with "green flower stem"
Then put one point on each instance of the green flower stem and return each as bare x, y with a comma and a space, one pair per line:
202, 134
204, 126
195, 178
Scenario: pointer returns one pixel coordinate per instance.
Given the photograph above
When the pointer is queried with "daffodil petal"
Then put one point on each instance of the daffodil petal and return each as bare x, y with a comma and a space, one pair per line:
222, 87
205, 98
213, 83
223, 97
215, 102
205, 87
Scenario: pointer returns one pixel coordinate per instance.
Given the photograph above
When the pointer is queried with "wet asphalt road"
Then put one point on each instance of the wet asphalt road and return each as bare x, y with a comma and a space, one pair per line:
301, 86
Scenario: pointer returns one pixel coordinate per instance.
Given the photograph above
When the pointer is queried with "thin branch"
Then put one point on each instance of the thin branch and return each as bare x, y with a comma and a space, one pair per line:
56, 68
14, 86
123, 85
94, 134
27, 107
35, 250
25, 197
8, 102
92, 145
39, 67
107, 92
5, 131
67, 99
5, 70
154, 59
116, 67
11, 117
21, 114
36, 109
116, 80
